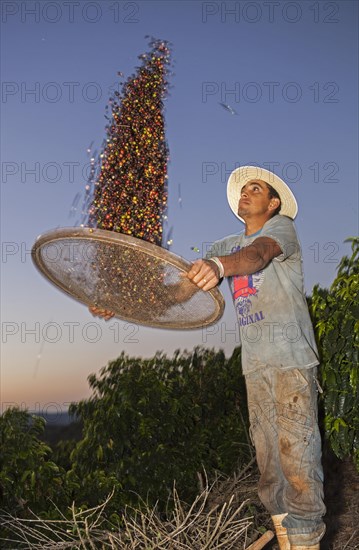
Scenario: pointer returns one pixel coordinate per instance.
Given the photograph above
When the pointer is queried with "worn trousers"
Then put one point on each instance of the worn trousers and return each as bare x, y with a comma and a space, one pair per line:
284, 430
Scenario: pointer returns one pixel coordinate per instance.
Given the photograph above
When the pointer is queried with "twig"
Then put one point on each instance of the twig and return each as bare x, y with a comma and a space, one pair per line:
262, 541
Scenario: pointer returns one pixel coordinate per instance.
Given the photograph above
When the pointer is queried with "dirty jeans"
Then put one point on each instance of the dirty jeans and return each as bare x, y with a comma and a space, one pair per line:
284, 429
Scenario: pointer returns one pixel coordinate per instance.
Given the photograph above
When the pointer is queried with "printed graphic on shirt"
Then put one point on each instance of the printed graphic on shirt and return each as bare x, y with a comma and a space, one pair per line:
245, 291
243, 286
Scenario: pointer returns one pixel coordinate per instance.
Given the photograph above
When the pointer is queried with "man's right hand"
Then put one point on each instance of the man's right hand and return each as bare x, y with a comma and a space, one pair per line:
101, 312
204, 274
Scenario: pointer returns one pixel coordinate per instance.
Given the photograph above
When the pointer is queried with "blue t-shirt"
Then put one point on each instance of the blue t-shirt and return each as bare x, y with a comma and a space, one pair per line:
273, 318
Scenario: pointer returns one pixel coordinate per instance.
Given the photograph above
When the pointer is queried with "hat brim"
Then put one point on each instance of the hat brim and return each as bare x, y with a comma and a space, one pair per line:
242, 175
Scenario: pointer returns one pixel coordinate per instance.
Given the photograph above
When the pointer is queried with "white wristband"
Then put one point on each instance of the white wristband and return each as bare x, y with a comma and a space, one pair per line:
219, 264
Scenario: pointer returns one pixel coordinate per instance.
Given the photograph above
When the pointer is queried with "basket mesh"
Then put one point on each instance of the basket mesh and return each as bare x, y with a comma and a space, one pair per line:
138, 281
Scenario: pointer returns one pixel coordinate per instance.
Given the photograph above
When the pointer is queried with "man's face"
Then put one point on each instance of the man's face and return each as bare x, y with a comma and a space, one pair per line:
255, 200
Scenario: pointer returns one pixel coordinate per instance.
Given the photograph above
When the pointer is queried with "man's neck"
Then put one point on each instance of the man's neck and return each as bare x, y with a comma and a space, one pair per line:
254, 225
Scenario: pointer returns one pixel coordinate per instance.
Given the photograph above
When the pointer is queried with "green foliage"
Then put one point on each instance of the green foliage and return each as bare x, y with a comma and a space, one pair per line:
28, 479
336, 313
150, 422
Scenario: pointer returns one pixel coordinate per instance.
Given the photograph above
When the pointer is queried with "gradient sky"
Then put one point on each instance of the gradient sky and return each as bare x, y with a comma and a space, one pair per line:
290, 71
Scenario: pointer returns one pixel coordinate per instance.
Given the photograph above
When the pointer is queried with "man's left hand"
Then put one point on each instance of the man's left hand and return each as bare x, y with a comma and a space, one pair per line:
204, 274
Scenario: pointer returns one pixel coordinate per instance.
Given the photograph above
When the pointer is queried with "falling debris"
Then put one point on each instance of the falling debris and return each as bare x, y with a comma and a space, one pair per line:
228, 108
130, 188
74, 205
179, 195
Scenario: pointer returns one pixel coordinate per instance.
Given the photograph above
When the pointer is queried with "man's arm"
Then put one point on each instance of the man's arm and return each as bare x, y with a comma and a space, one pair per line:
205, 273
252, 258
248, 260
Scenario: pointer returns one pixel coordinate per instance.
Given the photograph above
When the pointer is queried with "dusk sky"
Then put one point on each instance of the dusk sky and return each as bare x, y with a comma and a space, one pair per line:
288, 69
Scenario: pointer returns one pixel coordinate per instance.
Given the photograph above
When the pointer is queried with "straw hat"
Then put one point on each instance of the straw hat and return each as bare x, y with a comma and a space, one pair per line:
242, 175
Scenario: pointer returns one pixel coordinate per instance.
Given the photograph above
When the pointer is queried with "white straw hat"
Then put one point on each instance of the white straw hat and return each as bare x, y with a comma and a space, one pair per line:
242, 175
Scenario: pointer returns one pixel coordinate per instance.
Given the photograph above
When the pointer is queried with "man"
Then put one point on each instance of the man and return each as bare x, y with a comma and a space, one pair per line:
279, 355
